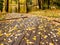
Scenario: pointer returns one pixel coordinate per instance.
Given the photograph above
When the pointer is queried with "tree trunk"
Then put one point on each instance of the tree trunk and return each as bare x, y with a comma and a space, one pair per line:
18, 6
48, 4
42, 3
39, 3
27, 10
7, 6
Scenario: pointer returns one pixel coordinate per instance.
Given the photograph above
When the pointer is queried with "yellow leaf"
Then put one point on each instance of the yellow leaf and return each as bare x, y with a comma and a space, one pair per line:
22, 1
1, 44
4, 39
18, 30
34, 38
25, 38
59, 29
29, 28
33, 27
30, 42
1, 34
40, 27
8, 34
0, 31
15, 27
58, 33
39, 32
33, 31
51, 43
45, 36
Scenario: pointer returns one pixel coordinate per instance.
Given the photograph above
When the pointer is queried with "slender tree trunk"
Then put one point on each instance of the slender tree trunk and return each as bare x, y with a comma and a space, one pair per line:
7, 6
18, 6
42, 3
39, 3
27, 10
48, 4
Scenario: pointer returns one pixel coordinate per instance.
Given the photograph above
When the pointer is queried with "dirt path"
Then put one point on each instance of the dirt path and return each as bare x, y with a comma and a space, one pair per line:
31, 30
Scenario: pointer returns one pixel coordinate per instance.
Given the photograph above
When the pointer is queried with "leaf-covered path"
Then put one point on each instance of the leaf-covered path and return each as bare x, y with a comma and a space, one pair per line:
31, 30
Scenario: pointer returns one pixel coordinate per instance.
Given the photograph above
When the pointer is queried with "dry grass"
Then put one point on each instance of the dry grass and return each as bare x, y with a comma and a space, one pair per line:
48, 13
2, 16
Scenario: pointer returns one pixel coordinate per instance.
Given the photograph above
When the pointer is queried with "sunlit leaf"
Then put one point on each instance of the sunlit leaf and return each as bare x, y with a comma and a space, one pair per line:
15, 27
1, 34
8, 34
51, 43
45, 36
1, 44
34, 38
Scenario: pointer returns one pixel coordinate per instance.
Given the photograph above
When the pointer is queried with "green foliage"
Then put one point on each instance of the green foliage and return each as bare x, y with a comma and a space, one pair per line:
57, 2
1, 5
29, 2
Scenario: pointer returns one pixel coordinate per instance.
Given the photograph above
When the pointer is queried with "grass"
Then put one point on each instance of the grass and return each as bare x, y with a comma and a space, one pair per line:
2, 16
48, 13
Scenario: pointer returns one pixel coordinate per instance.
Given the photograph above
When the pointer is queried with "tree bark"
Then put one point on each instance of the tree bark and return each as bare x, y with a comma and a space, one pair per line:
27, 10
39, 3
7, 6
48, 4
42, 3
18, 6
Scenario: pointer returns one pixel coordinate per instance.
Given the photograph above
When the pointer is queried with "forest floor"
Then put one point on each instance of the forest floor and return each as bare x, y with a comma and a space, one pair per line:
49, 13
30, 29
46, 13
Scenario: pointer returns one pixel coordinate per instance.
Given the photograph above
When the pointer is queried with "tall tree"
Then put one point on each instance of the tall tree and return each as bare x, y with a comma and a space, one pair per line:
42, 3
39, 3
48, 4
18, 5
7, 5
27, 10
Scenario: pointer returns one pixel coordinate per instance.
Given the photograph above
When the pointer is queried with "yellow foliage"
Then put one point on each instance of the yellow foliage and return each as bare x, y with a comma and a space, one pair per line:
33, 27
13, 2
23, 8
15, 27
51, 43
29, 42
34, 38
8, 34
58, 33
39, 32
1, 33
59, 29
40, 27
29, 28
18, 30
45, 36
25, 38
22, 1
33, 31
1, 44
4, 39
